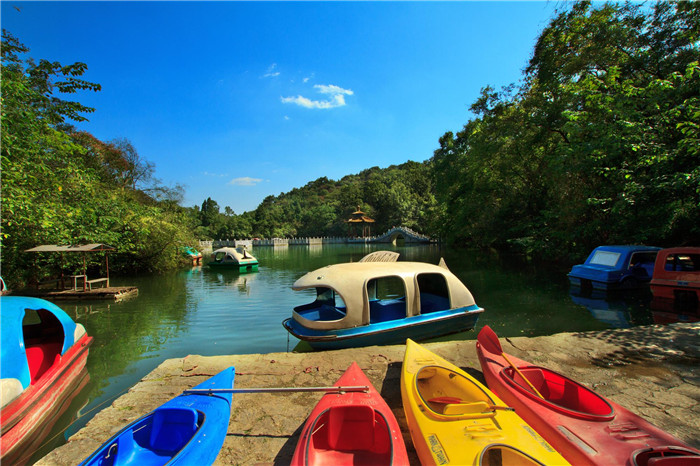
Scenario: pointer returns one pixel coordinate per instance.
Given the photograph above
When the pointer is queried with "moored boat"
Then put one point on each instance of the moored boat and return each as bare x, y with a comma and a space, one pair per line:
379, 303
615, 267
454, 419
234, 259
351, 427
587, 428
42, 365
677, 277
189, 429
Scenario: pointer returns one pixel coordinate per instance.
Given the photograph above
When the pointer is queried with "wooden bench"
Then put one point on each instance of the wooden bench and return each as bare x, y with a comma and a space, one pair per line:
97, 280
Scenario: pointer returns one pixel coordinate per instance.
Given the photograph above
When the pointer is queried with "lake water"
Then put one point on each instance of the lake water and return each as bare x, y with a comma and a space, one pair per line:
214, 312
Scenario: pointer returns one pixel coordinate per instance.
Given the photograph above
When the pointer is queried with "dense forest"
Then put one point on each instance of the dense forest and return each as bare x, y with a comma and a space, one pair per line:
599, 143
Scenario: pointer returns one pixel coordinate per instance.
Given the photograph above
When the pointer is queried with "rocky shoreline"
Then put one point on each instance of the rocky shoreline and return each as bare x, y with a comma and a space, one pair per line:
653, 370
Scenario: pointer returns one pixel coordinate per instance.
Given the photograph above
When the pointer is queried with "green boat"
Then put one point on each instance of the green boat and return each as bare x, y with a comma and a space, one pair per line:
234, 259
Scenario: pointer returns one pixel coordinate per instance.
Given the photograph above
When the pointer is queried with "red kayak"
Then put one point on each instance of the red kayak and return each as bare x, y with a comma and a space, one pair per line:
586, 428
351, 427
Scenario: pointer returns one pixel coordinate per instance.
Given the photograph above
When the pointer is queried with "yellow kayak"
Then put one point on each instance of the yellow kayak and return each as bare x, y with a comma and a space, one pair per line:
454, 419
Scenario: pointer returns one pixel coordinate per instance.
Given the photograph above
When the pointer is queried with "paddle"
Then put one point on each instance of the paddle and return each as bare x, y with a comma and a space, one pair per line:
453, 400
350, 388
491, 344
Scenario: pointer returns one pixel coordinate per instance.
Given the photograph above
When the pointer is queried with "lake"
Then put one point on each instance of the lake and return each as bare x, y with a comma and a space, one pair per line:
214, 312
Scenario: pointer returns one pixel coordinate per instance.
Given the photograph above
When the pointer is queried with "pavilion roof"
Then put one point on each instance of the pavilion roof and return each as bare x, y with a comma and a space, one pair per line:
93, 247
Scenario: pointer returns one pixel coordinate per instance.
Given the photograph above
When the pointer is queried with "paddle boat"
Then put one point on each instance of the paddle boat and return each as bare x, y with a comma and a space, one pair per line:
454, 419
42, 364
233, 258
677, 276
189, 429
351, 426
192, 254
585, 427
615, 267
381, 303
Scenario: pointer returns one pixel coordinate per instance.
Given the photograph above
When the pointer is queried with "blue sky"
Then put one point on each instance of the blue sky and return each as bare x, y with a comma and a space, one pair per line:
240, 100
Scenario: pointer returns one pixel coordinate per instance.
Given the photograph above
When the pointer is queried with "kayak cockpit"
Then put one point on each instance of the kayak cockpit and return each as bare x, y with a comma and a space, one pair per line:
156, 439
356, 434
447, 393
560, 393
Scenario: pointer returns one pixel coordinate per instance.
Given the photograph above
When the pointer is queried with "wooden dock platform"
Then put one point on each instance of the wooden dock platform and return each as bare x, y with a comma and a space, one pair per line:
116, 293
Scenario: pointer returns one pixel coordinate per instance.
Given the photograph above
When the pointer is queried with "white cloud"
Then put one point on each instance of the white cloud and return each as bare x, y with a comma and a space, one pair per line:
336, 97
332, 90
271, 71
245, 181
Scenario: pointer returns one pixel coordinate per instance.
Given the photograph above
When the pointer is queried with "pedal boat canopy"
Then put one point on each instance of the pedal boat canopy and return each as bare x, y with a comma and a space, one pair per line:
347, 295
232, 257
42, 316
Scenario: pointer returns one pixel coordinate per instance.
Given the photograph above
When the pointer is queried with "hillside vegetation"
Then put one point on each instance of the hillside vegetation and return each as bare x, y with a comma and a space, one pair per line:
599, 143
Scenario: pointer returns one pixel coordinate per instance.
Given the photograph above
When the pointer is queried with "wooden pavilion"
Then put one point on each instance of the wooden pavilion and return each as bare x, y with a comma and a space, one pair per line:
360, 218
83, 248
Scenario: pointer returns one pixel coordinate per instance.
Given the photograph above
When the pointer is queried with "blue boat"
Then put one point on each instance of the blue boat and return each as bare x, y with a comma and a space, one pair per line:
189, 429
381, 303
615, 267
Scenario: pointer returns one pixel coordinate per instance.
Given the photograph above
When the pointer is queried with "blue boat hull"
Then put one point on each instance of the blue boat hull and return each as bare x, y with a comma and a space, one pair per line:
189, 429
421, 327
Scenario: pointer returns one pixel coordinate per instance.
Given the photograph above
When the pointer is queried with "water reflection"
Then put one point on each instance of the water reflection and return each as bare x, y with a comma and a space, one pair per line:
616, 309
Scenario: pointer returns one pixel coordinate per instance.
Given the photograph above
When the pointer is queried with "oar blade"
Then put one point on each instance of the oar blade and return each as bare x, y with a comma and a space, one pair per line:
489, 340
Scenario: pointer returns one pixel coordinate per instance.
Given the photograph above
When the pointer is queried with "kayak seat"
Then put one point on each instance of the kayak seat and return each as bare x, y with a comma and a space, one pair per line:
477, 407
674, 461
351, 428
536, 378
172, 428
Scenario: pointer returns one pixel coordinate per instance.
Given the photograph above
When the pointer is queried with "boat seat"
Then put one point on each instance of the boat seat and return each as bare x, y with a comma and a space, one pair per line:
674, 461
172, 428
41, 357
125, 447
351, 428
477, 407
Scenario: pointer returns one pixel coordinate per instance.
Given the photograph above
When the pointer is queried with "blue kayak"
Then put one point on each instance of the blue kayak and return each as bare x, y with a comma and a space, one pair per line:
189, 429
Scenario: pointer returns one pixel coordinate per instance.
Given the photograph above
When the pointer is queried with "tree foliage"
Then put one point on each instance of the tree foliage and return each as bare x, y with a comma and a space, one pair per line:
599, 144
62, 186
397, 195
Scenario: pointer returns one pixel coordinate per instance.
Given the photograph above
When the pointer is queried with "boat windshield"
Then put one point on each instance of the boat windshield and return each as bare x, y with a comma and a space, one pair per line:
683, 262
328, 306
502, 455
608, 258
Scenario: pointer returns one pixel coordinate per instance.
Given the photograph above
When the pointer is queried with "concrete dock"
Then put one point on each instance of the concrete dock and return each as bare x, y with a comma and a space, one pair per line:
654, 371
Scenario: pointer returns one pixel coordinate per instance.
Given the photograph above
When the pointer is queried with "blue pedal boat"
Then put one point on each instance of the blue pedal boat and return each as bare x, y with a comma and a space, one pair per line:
189, 429
615, 267
381, 303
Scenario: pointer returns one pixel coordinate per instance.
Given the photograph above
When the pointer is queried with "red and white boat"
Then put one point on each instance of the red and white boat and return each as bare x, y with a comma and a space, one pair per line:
586, 428
350, 426
42, 365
